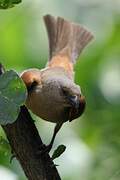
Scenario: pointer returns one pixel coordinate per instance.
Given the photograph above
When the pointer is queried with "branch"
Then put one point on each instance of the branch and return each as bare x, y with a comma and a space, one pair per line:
26, 143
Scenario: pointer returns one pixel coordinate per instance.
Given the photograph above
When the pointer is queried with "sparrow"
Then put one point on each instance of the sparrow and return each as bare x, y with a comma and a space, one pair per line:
52, 93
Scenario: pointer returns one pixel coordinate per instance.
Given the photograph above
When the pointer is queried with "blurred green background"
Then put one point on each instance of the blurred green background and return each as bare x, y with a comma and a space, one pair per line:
93, 141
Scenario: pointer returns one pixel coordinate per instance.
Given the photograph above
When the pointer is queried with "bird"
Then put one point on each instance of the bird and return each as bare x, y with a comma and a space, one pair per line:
53, 94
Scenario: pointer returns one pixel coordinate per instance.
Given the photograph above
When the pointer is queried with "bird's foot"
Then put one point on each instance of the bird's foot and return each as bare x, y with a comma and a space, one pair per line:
44, 149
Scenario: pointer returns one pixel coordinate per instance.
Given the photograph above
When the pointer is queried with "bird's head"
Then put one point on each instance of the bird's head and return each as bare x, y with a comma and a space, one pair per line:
75, 99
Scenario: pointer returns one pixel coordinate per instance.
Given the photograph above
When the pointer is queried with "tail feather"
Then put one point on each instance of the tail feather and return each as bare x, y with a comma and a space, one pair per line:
66, 38
51, 24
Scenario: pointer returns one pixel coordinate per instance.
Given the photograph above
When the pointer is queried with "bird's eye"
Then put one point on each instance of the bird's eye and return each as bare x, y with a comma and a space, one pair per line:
32, 86
74, 97
73, 100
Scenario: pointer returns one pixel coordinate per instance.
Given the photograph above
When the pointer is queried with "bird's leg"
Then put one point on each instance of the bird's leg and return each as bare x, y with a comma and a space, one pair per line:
46, 149
56, 129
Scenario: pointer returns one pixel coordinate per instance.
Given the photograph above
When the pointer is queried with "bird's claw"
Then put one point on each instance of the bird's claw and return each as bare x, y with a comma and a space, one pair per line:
44, 149
48, 148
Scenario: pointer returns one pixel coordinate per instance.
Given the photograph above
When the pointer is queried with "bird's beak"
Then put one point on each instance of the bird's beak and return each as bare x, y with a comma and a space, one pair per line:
74, 101
78, 107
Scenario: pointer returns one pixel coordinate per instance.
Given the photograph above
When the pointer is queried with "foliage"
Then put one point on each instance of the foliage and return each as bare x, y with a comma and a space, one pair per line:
6, 4
12, 96
4, 145
60, 150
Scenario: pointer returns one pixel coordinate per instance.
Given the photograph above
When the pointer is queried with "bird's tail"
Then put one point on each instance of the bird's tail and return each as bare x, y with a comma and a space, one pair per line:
66, 38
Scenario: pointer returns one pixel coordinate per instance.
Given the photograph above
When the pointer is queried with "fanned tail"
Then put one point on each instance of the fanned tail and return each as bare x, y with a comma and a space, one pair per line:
66, 38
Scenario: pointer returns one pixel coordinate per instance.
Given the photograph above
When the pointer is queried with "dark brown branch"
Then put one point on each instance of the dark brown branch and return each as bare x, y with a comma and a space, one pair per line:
26, 143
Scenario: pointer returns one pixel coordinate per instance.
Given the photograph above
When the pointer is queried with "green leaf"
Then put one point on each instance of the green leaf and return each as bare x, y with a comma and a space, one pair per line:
60, 150
5, 148
4, 143
16, 1
13, 94
6, 4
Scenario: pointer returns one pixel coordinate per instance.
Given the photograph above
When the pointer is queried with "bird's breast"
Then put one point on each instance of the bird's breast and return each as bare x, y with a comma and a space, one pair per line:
47, 103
